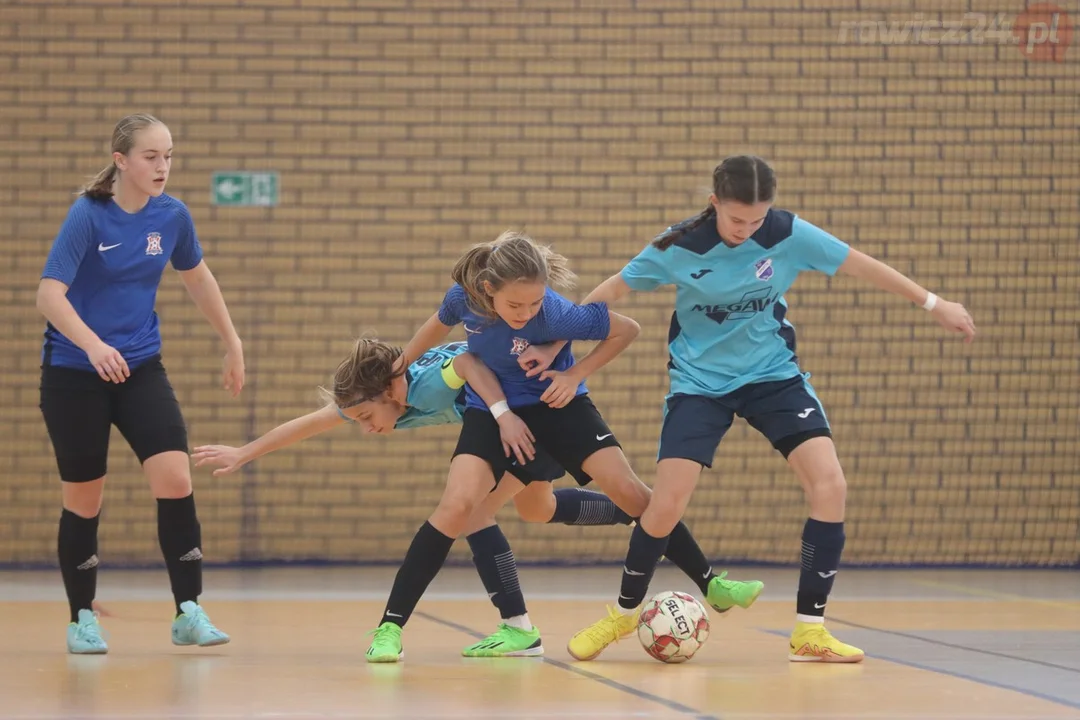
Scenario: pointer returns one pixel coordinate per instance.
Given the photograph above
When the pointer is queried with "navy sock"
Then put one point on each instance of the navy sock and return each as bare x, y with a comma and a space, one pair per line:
76, 548
422, 563
684, 552
577, 506
822, 545
180, 535
641, 559
495, 564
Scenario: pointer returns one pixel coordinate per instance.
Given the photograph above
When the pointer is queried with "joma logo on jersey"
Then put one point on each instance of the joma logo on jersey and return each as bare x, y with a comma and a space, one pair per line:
751, 304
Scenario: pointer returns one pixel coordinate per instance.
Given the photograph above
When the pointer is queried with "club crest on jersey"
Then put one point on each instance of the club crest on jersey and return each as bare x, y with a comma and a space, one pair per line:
153, 244
520, 345
763, 269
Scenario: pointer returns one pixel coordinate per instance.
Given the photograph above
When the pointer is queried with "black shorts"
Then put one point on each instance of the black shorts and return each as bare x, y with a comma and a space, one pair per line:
567, 435
786, 412
80, 408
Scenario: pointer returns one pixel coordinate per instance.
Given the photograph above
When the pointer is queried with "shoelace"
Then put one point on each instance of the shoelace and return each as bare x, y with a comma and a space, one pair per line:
384, 632
607, 630
90, 631
726, 584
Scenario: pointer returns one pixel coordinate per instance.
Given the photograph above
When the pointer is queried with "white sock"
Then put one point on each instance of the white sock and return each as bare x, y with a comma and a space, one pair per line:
810, 619
521, 622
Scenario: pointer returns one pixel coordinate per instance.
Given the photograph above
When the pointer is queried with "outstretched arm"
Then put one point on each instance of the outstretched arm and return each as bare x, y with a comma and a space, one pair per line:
228, 458
950, 315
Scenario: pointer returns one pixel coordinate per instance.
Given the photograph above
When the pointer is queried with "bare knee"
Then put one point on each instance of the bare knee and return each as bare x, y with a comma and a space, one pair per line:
828, 488
534, 507
83, 499
169, 475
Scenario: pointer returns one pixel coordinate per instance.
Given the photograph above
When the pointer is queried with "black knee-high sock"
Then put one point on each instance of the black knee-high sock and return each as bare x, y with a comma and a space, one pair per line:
684, 552
180, 537
497, 568
641, 559
822, 545
422, 563
578, 506
76, 548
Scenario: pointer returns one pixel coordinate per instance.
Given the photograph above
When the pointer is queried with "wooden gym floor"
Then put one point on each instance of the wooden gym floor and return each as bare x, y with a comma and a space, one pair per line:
940, 644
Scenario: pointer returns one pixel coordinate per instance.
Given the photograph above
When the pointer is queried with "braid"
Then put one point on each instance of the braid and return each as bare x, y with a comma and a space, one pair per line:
668, 238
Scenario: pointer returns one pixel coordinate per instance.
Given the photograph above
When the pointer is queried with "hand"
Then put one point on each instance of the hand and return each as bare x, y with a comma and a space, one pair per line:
232, 375
563, 388
954, 317
516, 436
538, 358
227, 458
109, 363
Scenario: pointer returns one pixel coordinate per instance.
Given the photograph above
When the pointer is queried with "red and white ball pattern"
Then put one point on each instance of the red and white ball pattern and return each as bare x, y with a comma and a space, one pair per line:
673, 626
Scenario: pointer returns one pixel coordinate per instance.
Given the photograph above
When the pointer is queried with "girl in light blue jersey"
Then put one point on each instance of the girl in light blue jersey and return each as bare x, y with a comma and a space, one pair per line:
370, 392
732, 353
101, 366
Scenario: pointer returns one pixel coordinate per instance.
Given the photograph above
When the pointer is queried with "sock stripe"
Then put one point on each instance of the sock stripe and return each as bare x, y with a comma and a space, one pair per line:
508, 571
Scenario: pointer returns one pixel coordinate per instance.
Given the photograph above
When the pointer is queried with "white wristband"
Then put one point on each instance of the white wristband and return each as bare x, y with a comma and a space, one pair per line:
931, 301
499, 408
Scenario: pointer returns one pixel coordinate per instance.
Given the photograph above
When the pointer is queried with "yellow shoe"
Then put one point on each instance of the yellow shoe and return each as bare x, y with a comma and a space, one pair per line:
592, 641
811, 642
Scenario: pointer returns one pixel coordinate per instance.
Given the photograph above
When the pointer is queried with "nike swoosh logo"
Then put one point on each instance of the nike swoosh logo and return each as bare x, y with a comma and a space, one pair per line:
628, 571
470, 331
819, 606
603, 437
827, 574
390, 614
707, 574
102, 247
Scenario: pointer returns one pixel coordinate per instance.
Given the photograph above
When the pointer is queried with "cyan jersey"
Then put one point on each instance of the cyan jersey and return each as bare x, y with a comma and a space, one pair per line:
112, 262
498, 345
436, 394
729, 327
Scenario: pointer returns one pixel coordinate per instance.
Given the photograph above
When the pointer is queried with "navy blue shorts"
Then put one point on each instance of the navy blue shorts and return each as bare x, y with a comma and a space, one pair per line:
786, 412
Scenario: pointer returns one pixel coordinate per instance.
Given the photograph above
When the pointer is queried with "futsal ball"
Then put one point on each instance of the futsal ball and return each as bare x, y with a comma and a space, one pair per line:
673, 626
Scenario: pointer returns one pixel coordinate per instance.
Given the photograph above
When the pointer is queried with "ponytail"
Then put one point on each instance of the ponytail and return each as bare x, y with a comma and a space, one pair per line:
100, 188
470, 272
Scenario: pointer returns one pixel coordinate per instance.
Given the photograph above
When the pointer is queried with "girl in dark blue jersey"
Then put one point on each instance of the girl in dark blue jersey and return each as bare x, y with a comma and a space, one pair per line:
502, 299
101, 366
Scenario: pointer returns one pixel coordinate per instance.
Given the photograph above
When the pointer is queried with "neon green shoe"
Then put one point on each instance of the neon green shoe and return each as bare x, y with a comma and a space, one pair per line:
386, 646
507, 642
726, 594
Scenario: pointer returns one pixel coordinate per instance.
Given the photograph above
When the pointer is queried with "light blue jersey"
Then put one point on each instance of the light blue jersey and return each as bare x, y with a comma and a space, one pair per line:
436, 394
729, 327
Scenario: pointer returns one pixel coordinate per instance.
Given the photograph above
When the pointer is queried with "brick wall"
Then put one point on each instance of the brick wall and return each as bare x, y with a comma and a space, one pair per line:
406, 129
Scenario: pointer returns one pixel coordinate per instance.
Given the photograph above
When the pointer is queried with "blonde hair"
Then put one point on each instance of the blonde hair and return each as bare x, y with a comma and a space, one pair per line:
365, 374
512, 257
123, 140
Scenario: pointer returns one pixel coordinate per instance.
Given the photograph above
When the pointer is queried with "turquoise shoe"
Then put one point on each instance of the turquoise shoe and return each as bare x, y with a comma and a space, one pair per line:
84, 637
193, 627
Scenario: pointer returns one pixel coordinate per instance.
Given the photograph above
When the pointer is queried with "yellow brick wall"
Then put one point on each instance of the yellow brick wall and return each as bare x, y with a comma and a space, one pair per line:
405, 130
